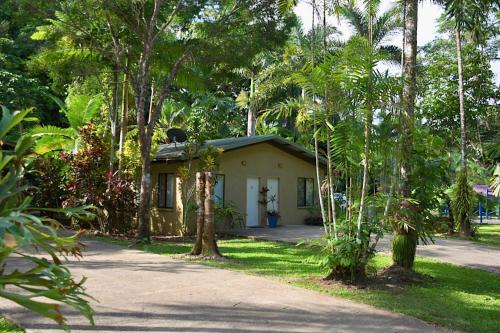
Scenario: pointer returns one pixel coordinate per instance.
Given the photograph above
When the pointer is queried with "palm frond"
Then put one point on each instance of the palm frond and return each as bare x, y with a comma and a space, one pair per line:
80, 109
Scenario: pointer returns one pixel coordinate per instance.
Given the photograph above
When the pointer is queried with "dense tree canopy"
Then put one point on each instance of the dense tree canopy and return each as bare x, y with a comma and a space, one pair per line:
107, 79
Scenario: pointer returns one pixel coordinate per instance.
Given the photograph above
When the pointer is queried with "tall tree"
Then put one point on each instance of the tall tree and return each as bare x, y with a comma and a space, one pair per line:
469, 16
404, 241
381, 25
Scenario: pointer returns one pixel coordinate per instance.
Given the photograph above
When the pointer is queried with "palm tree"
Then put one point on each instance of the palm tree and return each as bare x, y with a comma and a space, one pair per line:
263, 84
79, 110
469, 16
404, 243
380, 25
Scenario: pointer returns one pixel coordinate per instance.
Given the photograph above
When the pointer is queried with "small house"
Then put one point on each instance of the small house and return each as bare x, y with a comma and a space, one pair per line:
250, 169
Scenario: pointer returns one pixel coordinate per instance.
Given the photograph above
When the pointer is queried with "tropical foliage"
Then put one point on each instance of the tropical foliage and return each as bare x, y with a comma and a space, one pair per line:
37, 283
401, 131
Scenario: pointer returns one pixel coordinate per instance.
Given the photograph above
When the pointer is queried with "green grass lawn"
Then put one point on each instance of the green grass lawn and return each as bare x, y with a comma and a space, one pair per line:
8, 327
456, 297
489, 234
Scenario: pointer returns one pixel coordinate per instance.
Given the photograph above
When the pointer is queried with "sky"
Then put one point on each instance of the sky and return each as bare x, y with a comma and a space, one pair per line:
428, 13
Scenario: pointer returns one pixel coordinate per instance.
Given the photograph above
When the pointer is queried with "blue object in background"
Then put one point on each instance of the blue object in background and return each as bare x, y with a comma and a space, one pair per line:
486, 204
272, 221
480, 211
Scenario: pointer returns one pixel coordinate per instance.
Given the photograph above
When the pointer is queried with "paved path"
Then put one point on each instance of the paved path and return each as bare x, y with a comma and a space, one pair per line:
455, 251
142, 292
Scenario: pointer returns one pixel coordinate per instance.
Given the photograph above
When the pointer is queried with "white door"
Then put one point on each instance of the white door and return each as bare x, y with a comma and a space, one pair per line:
272, 194
252, 202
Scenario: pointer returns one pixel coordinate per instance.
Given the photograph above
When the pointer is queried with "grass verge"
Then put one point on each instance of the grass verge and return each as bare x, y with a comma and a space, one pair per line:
488, 234
8, 327
456, 297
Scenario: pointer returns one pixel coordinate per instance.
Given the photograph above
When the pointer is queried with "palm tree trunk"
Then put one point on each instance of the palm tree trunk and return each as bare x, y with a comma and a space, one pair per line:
252, 117
366, 162
315, 127
405, 239
368, 126
331, 190
331, 185
463, 157
465, 226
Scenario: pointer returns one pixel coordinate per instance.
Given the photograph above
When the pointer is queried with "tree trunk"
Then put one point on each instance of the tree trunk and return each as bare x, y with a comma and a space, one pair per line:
366, 163
200, 215
315, 127
331, 189
368, 127
209, 247
251, 117
124, 121
405, 239
331, 186
145, 197
463, 156
114, 118
465, 225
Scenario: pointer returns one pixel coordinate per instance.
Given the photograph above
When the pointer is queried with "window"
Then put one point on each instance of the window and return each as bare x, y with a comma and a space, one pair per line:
166, 190
305, 192
219, 190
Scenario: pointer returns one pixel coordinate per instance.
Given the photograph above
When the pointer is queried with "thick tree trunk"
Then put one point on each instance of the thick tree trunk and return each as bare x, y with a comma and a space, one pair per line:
251, 122
209, 248
200, 212
405, 240
145, 197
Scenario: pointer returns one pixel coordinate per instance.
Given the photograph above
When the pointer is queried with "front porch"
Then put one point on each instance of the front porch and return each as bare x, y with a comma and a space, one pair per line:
288, 233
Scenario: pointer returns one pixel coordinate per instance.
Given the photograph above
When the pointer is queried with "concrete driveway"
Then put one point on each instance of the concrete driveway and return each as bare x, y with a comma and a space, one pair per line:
142, 292
455, 251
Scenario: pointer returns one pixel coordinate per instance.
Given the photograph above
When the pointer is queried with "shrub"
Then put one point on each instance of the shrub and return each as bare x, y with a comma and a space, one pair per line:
23, 230
46, 176
461, 197
227, 217
345, 257
91, 183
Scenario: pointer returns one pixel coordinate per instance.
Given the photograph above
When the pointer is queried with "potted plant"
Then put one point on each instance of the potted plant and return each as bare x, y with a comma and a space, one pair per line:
272, 214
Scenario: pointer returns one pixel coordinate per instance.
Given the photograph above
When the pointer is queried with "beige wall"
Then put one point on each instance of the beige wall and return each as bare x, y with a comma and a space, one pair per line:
260, 161
165, 221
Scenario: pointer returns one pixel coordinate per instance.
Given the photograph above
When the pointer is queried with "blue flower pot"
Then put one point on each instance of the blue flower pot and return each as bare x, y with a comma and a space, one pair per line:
272, 220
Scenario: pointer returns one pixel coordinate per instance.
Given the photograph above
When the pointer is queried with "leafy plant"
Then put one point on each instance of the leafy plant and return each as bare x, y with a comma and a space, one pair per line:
90, 182
21, 230
461, 196
227, 217
78, 111
345, 255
